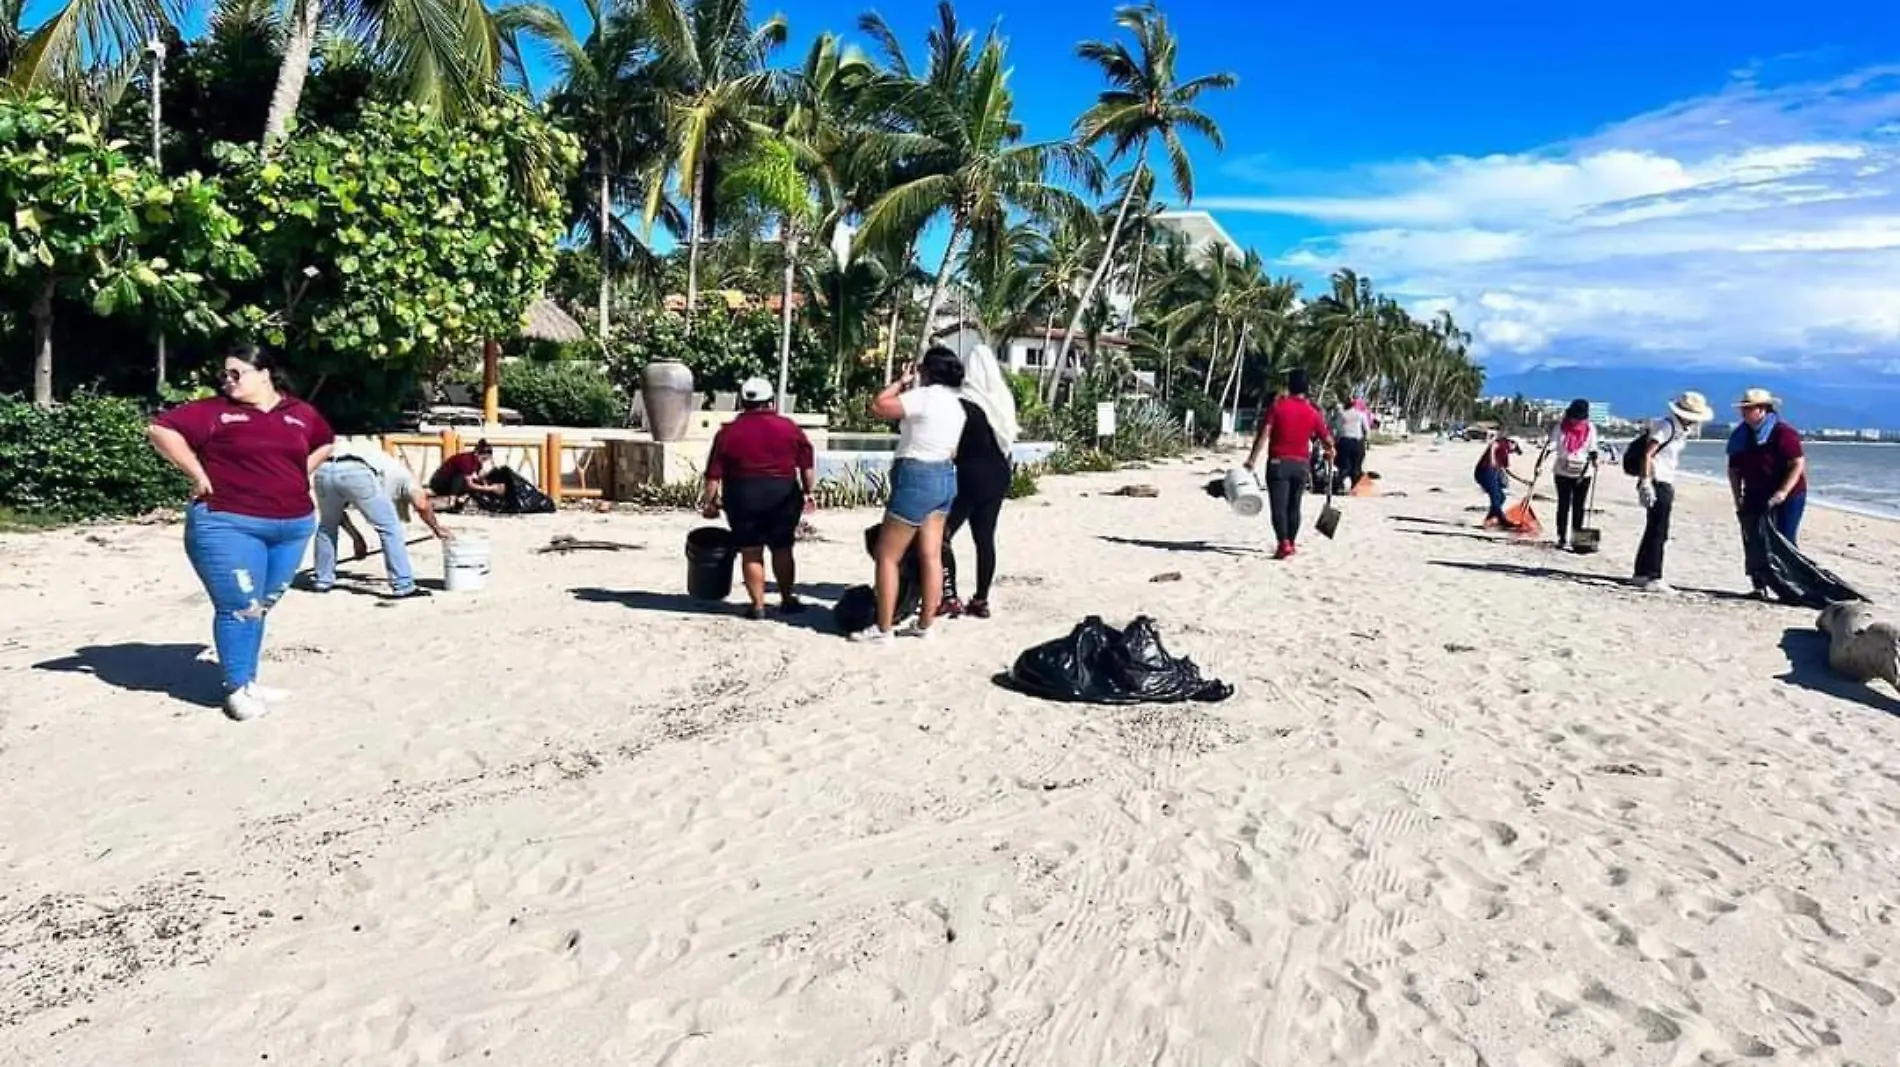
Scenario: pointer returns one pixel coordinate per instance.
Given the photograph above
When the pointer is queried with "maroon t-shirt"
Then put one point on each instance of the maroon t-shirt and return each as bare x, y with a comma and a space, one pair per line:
462, 464
1295, 423
759, 444
258, 461
1763, 466
1501, 453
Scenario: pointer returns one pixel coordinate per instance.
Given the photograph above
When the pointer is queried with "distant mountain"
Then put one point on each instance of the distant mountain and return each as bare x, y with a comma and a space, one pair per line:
1638, 391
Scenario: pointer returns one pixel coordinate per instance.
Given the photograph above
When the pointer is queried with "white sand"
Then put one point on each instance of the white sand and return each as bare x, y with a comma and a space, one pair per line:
1462, 810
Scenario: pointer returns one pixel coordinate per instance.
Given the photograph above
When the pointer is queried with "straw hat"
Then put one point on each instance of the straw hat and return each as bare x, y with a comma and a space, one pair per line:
1692, 407
1757, 398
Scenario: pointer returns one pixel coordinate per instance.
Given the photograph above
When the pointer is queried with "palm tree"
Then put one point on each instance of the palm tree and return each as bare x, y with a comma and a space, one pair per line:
717, 87
957, 148
1006, 278
1144, 101
75, 40
606, 88
1346, 327
444, 54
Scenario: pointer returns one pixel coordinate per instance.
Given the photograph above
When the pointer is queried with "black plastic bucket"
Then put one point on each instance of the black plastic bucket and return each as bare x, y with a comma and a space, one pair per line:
709, 557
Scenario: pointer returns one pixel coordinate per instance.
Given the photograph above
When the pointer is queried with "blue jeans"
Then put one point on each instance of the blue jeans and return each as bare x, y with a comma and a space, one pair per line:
920, 489
1492, 480
245, 564
1788, 516
341, 483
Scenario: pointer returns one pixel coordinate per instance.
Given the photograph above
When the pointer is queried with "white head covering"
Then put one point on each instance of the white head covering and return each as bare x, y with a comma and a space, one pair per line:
985, 386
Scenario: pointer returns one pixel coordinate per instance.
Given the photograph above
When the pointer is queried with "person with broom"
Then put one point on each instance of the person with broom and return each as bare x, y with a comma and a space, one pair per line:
1493, 475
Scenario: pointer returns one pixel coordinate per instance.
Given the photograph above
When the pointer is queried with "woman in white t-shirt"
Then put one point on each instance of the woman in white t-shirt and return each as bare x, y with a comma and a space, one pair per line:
923, 484
1574, 442
1655, 486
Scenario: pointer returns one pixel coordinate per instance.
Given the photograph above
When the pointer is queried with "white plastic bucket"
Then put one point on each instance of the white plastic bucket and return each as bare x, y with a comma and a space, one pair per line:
1243, 493
465, 562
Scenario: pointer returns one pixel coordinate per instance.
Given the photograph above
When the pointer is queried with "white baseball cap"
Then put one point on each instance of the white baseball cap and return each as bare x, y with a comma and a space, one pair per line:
755, 391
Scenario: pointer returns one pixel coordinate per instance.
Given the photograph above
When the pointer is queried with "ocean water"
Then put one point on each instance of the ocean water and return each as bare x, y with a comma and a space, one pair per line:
1853, 477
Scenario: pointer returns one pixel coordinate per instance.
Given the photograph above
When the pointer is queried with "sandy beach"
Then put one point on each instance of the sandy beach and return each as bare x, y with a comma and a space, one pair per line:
1475, 802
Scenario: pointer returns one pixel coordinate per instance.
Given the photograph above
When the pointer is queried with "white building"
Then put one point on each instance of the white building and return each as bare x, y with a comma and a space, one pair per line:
1035, 351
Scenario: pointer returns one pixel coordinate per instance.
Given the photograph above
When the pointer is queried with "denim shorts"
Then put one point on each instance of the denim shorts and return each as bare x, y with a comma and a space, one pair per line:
920, 489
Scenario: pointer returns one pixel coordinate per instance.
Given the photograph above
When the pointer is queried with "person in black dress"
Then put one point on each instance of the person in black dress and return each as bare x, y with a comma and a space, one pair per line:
984, 470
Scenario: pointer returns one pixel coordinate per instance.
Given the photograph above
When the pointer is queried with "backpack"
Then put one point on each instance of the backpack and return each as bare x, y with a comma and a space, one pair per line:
1636, 456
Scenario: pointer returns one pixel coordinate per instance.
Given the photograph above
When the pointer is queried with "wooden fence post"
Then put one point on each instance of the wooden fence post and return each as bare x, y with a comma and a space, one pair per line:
551, 467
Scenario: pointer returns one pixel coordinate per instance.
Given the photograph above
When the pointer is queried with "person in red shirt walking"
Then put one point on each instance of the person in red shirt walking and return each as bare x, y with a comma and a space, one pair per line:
249, 454
761, 472
1287, 430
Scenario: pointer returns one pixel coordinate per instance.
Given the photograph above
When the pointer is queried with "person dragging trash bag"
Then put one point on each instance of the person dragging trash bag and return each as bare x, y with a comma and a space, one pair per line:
378, 485
1287, 430
761, 471
1767, 475
1654, 458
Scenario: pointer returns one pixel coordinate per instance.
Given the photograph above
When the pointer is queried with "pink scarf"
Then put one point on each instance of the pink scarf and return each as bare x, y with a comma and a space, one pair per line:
1576, 435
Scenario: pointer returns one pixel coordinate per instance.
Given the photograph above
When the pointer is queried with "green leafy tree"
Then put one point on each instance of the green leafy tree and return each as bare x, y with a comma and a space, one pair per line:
406, 237
86, 223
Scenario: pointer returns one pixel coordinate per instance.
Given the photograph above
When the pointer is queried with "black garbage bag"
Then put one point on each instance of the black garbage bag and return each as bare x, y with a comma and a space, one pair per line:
1775, 562
518, 496
854, 611
1098, 664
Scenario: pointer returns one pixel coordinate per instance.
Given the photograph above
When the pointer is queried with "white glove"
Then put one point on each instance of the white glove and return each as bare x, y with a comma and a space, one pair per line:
1646, 492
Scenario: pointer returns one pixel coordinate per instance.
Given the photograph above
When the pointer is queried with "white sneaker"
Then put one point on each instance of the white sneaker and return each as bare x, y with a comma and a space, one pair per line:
871, 636
245, 704
921, 633
1657, 585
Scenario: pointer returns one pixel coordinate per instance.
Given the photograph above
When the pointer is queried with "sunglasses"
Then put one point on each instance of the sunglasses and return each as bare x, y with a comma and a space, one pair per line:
237, 375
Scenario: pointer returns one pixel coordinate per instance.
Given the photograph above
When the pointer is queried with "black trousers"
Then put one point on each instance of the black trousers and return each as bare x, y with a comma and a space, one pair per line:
1351, 463
1571, 494
1286, 487
981, 512
1649, 554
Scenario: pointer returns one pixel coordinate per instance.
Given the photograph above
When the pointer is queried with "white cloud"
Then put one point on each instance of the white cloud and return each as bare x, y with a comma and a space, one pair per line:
1758, 223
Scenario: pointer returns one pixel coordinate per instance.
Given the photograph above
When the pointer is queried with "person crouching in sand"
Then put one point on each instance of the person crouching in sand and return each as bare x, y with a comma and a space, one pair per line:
1287, 430
1493, 475
463, 476
378, 485
761, 471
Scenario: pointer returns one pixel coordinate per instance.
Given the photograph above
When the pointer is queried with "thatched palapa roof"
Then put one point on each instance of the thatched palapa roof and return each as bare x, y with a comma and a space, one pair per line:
547, 322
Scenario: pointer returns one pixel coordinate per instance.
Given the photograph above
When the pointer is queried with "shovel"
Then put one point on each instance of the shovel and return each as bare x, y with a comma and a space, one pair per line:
1328, 522
1586, 540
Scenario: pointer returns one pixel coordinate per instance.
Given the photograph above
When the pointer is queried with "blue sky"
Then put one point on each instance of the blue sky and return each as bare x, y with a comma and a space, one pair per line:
1631, 183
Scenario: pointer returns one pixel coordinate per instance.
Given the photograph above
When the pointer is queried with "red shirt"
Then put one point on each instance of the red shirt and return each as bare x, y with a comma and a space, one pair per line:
1763, 466
1501, 453
1294, 423
759, 444
258, 461
465, 464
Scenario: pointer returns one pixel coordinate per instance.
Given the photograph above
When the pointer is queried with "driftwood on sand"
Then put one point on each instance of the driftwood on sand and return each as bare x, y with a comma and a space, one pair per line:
1858, 647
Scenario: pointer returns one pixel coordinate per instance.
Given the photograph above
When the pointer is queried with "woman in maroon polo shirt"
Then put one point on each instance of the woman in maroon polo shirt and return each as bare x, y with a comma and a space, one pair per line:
761, 472
249, 454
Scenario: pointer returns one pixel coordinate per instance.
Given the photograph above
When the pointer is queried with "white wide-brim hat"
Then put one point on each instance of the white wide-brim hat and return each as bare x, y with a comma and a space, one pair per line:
1692, 407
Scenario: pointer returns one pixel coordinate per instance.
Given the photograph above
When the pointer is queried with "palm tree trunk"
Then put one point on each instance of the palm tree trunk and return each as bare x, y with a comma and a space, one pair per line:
606, 250
785, 315
1233, 379
890, 342
306, 16
692, 244
1051, 374
1108, 255
43, 347
943, 278
1134, 287
1213, 357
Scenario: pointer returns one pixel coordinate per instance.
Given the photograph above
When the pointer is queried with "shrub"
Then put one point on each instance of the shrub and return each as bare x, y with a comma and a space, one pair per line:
561, 394
1083, 460
1023, 480
86, 459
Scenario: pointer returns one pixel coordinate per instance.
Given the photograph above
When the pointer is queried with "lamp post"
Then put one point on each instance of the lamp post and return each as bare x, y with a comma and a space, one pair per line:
156, 49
